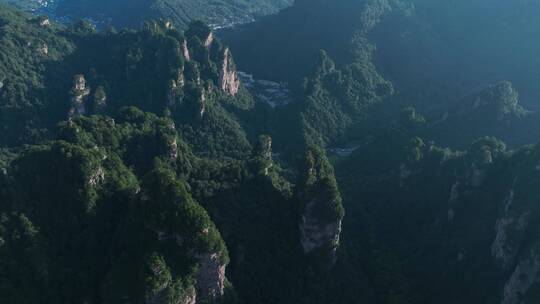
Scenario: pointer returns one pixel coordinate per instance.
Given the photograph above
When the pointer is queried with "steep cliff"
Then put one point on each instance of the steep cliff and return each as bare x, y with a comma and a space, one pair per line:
228, 76
79, 94
321, 210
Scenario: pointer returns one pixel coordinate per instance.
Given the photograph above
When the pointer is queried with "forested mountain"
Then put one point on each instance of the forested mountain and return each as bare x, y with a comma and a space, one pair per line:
145, 166
115, 204
432, 55
132, 13
431, 224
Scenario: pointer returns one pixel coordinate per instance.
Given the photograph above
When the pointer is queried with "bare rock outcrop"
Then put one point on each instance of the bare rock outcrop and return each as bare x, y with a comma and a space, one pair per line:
161, 288
524, 276
263, 155
315, 234
44, 21
79, 95
175, 87
228, 76
510, 230
97, 177
322, 210
173, 149
185, 51
202, 104
209, 40
43, 49
210, 276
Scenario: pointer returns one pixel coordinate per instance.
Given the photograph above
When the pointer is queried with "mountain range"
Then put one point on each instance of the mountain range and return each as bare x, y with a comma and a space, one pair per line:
344, 151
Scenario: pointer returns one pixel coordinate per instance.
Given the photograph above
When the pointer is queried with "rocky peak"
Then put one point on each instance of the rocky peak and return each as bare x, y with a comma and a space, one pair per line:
322, 211
79, 94
228, 76
44, 21
79, 83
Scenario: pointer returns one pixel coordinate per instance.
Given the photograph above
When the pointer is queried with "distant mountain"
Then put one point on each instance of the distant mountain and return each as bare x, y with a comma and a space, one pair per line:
132, 13
494, 111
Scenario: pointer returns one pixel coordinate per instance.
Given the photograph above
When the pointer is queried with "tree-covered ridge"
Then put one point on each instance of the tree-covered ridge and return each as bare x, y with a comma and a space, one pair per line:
157, 69
111, 202
425, 223
30, 47
144, 185
329, 67
91, 230
465, 214
425, 53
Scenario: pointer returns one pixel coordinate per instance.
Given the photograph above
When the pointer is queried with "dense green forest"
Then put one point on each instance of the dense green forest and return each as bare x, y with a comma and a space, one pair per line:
142, 185
409, 97
138, 166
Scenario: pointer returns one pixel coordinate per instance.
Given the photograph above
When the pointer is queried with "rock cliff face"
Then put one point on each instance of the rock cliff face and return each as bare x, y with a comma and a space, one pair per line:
79, 94
315, 234
263, 154
228, 76
524, 276
210, 277
160, 291
209, 40
515, 248
43, 49
202, 104
322, 212
173, 148
44, 21
185, 51
502, 249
